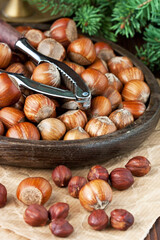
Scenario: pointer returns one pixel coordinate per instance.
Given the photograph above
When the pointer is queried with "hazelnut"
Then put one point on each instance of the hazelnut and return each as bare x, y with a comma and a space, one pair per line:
23, 130
58, 210
2, 130
121, 219
34, 190
98, 219
75, 185
61, 175
121, 118
61, 227
139, 166
36, 215
3, 195
121, 178
98, 172
96, 194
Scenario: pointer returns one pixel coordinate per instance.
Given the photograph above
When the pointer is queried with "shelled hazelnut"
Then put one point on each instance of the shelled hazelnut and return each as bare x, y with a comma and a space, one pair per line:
3, 195
121, 178
75, 185
61, 176
36, 215
98, 219
139, 166
98, 172
58, 210
121, 219
61, 227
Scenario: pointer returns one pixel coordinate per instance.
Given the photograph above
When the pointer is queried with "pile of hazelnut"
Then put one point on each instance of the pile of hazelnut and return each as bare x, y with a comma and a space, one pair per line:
119, 92
94, 195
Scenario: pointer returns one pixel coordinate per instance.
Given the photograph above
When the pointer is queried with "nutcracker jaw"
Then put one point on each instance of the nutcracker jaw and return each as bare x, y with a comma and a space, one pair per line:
79, 91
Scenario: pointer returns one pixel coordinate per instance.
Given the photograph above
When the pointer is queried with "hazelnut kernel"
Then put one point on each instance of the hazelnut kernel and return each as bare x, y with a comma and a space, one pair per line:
139, 166
98, 172
58, 210
61, 227
36, 215
75, 185
61, 176
121, 178
121, 219
98, 219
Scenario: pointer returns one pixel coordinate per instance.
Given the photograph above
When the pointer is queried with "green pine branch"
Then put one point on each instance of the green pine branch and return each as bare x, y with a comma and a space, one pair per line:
149, 53
110, 18
131, 16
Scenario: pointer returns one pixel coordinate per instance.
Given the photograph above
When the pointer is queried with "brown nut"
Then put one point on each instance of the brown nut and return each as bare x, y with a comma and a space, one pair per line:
96, 194
34, 190
98, 172
75, 185
121, 178
58, 210
121, 219
36, 215
98, 219
3, 195
139, 166
61, 227
61, 175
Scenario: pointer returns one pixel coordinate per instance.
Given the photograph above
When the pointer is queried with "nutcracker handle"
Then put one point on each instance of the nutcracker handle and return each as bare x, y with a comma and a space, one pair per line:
8, 34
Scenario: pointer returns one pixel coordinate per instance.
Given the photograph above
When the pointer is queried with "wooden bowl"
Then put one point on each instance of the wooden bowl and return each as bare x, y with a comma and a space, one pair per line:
79, 153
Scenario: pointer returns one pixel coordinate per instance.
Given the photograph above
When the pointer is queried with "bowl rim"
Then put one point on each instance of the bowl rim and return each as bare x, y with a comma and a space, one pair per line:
153, 107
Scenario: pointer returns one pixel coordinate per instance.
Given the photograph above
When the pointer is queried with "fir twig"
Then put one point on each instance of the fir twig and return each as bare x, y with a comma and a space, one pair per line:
88, 18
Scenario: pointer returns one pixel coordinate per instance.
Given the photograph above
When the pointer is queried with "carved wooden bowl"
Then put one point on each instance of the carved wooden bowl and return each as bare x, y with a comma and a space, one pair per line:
79, 153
